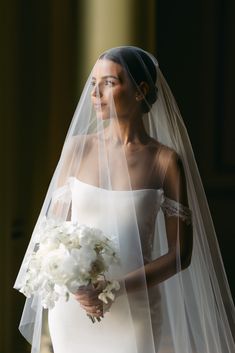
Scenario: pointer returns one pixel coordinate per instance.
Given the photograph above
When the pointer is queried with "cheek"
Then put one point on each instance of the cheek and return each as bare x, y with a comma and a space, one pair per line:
121, 96
125, 101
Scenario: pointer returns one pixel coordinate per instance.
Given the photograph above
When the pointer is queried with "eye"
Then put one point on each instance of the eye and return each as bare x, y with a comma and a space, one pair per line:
109, 83
93, 83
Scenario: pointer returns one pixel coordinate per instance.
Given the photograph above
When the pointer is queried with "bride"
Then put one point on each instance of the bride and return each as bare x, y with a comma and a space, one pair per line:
127, 168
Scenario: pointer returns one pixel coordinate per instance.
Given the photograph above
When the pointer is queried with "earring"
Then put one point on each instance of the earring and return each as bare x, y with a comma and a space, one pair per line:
139, 97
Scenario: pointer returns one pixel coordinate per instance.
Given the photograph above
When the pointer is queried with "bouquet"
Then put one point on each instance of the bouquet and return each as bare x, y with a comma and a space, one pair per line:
67, 257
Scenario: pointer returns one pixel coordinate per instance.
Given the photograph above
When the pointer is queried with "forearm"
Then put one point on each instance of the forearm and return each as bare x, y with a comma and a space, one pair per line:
152, 273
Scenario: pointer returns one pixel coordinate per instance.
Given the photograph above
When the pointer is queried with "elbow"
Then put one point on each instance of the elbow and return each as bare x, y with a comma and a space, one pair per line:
182, 260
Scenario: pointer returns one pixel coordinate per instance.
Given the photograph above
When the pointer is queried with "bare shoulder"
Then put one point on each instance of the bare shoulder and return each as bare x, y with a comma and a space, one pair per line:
168, 156
80, 142
82, 139
75, 148
170, 170
164, 155
167, 162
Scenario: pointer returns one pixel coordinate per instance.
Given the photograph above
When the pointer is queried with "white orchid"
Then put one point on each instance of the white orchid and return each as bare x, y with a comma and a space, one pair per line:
107, 292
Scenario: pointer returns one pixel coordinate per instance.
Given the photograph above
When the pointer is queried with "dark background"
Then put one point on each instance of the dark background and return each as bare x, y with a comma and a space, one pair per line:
196, 51
41, 66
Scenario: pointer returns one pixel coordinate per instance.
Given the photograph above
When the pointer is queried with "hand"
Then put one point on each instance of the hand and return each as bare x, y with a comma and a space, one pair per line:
89, 301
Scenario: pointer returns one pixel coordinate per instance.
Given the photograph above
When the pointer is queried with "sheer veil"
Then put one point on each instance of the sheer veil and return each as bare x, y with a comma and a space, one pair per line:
195, 308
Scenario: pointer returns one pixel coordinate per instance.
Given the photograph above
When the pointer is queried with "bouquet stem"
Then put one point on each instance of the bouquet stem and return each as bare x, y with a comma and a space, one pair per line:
93, 318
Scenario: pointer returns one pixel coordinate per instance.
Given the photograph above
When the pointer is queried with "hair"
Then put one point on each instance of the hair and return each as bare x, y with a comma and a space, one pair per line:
140, 68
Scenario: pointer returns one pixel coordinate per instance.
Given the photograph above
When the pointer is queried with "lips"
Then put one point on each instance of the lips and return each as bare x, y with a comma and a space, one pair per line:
99, 106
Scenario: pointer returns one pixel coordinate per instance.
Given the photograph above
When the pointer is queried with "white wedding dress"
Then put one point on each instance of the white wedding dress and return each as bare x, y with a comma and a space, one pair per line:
70, 329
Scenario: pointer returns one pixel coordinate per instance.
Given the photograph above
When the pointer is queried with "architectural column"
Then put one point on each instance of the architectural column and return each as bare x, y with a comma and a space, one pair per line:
107, 24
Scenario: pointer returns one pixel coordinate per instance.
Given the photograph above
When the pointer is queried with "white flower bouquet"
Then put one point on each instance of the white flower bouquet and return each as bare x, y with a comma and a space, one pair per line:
67, 257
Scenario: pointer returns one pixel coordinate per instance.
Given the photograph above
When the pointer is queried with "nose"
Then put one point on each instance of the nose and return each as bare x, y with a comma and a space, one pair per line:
96, 91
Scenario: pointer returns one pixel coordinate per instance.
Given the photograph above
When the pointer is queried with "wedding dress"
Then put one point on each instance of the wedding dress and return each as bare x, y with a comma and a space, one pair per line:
70, 328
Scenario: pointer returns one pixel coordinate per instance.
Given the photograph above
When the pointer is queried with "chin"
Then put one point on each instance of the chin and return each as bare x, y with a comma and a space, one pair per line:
102, 115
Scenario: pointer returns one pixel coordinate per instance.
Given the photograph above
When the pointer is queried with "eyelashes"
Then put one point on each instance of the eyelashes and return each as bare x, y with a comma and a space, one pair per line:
108, 83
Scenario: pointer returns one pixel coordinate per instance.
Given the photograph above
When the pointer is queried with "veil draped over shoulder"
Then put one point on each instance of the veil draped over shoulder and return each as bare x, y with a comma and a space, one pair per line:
195, 312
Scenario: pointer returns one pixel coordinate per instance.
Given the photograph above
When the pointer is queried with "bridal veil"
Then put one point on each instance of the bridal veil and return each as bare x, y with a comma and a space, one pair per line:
197, 313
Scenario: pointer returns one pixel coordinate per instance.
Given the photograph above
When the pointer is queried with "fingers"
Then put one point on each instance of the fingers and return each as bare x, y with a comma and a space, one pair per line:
88, 292
92, 304
96, 311
87, 296
93, 310
88, 300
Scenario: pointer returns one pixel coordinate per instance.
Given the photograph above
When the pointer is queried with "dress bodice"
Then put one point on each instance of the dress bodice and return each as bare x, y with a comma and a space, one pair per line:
120, 210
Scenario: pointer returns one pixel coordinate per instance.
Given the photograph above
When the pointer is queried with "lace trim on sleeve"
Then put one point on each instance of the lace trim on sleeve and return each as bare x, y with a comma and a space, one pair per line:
173, 208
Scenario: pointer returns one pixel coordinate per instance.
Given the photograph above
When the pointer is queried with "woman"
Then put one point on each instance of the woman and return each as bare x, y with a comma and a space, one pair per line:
127, 168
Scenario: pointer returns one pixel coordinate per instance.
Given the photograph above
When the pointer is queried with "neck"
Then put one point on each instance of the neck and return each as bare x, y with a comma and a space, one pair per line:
129, 131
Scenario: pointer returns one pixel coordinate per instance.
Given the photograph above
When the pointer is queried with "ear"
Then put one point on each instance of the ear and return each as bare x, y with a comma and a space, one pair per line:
143, 89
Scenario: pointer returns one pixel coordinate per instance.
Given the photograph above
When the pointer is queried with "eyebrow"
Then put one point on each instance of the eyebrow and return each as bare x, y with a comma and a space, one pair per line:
107, 76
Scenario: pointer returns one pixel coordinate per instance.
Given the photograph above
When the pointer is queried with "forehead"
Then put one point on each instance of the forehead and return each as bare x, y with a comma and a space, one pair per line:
105, 68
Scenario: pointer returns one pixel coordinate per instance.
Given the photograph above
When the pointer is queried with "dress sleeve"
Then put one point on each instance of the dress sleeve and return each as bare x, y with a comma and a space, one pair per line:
172, 208
60, 206
175, 200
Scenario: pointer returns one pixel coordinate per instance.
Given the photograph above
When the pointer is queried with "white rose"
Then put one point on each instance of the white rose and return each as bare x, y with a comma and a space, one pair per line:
54, 265
84, 257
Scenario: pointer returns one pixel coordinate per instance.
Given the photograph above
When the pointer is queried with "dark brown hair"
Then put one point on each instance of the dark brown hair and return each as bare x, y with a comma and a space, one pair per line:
140, 68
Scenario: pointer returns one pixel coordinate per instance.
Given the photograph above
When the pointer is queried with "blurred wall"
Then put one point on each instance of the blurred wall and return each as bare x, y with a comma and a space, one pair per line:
38, 96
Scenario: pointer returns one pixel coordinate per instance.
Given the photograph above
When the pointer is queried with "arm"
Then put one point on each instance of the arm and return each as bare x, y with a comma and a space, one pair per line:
179, 233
